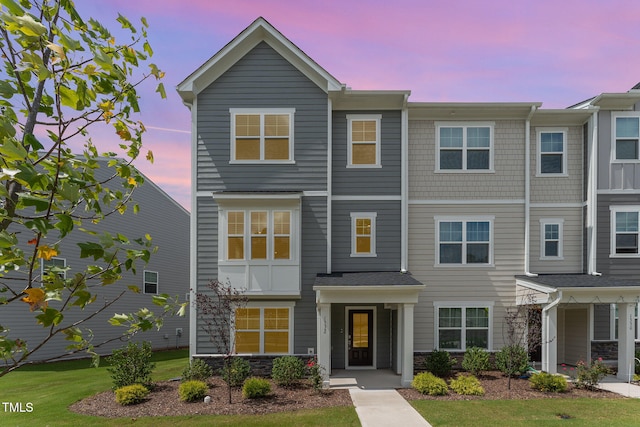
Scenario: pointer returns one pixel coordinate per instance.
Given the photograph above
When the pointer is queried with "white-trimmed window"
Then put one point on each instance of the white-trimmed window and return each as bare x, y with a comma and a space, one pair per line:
464, 240
264, 136
363, 149
626, 137
552, 152
264, 329
261, 234
625, 231
460, 326
464, 146
150, 282
551, 231
55, 264
363, 234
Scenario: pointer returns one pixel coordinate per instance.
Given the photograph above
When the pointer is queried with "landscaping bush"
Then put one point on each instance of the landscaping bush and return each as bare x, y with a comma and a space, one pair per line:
512, 360
589, 376
256, 387
192, 391
131, 394
476, 360
131, 365
439, 363
239, 371
544, 381
197, 369
287, 370
428, 383
467, 385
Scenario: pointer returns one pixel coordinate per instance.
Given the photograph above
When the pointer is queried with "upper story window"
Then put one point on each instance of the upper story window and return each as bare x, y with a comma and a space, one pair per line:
625, 231
551, 238
266, 236
626, 136
363, 234
150, 284
464, 146
464, 241
264, 136
364, 141
54, 265
552, 152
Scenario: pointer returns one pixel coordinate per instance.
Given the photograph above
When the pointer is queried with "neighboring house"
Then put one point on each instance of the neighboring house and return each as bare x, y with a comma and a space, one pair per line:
167, 272
370, 230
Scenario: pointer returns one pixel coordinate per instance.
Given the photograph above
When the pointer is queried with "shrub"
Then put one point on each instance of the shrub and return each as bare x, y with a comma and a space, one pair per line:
544, 381
192, 391
131, 365
256, 387
428, 383
287, 370
467, 385
439, 363
197, 369
131, 394
512, 360
589, 376
239, 370
476, 360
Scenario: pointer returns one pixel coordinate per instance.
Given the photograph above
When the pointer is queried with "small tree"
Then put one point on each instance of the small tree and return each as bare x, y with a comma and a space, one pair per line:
217, 313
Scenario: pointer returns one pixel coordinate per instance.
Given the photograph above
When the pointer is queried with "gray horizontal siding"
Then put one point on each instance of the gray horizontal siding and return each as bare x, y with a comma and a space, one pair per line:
261, 79
619, 267
367, 181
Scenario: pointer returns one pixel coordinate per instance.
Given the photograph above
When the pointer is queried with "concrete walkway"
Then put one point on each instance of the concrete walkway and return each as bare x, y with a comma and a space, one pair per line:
613, 384
376, 401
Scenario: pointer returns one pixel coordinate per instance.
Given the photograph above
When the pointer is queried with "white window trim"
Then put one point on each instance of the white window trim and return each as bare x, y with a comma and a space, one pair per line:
262, 112
462, 305
144, 282
464, 220
42, 268
613, 332
366, 215
612, 231
465, 125
262, 305
565, 172
552, 221
366, 117
614, 116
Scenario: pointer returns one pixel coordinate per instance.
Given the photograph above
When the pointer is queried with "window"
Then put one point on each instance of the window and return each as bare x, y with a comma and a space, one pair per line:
552, 152
54, 265
460, 326
363, 234
626, 134
464, 241
616, 320
269, 235
624, 231
551, 238
464, 147
364, 141
606, 320
263, 330
150, 284
262, 136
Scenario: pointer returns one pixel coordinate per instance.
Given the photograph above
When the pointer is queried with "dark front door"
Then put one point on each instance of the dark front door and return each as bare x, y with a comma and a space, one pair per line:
360, 339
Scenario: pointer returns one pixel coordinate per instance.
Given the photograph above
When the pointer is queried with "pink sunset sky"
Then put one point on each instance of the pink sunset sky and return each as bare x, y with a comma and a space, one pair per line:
555, 52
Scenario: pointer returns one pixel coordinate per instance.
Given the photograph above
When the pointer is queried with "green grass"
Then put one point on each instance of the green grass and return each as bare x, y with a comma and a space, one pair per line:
538, 412
51, 388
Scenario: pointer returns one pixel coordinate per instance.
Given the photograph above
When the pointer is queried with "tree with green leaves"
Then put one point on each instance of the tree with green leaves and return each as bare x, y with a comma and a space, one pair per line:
61, 75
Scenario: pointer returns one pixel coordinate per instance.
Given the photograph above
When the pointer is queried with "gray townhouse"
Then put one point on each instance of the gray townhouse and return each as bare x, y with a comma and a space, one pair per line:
369, 230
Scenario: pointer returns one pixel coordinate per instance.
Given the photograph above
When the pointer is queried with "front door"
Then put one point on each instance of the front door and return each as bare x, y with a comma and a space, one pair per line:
360, 339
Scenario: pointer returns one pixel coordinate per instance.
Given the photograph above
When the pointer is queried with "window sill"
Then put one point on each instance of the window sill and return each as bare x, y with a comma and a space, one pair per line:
624, 255
552, 258
552, 175
625, 161
364, 166
465, 265
262, 162
483, 171
364, 255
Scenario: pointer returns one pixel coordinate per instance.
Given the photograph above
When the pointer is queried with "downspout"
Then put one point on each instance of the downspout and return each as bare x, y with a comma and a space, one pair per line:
329, 179
404, 187
527, 192
545, 329
592, 197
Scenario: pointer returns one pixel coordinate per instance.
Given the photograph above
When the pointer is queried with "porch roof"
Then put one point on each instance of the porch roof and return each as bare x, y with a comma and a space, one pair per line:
578, 281
369, 278
367, 287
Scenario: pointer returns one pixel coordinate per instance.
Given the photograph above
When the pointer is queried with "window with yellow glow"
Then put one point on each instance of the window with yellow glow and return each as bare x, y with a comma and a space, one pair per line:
364, 141
363, 234
267, 235
262, 330
360, 330
262, 136
259, 235
235, 235
282, 235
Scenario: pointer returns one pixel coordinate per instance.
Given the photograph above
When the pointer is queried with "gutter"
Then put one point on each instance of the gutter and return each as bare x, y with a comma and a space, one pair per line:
592, 198
527, 192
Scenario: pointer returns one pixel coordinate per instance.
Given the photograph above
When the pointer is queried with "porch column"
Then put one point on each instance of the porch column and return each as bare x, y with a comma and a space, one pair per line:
407, 344
626, 340
550, 340
323, 329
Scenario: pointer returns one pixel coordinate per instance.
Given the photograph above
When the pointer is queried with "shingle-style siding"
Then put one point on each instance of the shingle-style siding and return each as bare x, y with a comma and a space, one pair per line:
367, 181
620, 267
261, 79
387, 236
572, 225
507, 182
613, 175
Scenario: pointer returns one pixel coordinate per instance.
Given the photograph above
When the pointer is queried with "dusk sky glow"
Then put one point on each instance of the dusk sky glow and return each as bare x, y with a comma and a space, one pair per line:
555, 52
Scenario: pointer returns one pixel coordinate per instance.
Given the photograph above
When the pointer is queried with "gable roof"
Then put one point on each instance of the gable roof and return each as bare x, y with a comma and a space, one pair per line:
259, 31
